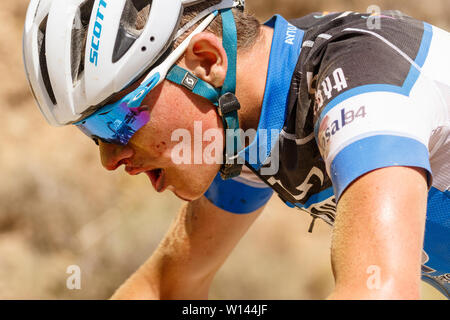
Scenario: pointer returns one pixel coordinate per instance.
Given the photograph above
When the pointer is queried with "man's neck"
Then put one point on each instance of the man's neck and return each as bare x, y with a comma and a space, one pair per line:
251, 75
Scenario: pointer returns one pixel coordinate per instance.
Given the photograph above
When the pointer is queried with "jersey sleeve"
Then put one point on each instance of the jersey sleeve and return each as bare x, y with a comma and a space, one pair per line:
374, 108
242, 195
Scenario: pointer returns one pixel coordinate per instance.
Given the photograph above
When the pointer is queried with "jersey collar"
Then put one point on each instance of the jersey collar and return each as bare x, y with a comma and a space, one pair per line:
284, 54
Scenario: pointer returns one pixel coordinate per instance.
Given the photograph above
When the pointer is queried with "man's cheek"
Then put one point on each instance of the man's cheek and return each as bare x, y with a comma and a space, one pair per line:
160, 147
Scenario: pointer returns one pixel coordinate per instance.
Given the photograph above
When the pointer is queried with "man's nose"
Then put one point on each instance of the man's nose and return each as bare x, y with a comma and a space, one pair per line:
113, 155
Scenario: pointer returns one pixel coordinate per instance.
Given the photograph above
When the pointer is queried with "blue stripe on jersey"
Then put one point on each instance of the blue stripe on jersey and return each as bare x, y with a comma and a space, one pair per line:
284, 54
420, 59
405, 89
317, 198
375, 152
237, 197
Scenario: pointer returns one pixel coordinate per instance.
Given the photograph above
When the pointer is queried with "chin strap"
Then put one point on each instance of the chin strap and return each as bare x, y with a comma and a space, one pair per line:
224, 98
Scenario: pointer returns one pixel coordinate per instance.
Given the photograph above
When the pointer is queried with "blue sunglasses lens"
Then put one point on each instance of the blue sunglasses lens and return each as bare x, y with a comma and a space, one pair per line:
114, 123
118, 122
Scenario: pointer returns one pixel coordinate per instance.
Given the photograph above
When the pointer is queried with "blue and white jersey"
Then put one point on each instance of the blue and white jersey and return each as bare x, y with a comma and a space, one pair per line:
347, 97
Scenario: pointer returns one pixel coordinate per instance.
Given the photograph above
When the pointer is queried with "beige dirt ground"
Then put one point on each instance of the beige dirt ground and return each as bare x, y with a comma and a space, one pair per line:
58, 207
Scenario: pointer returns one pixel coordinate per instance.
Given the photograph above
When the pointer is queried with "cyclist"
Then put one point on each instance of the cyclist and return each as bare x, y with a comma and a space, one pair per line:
350, 121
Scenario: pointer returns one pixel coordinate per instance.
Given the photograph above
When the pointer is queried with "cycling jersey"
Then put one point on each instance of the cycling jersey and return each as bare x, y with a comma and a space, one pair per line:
347, 94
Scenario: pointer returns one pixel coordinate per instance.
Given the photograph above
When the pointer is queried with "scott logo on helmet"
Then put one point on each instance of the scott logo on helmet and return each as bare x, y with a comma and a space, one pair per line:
97, 32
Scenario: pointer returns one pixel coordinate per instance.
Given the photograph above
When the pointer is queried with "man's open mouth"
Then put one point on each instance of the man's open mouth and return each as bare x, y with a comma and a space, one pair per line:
157, 178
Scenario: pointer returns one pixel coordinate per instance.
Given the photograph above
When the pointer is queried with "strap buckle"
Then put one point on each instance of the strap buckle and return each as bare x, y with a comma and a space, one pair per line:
230, 171
228, 103
228, 107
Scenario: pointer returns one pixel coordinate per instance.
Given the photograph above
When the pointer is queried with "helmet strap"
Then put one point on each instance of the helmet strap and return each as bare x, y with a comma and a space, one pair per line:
224, 98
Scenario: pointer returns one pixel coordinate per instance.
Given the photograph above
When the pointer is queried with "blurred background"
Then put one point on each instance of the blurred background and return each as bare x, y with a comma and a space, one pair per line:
58, 207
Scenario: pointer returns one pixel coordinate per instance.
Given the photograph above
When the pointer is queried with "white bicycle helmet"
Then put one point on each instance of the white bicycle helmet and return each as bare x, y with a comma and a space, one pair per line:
78, 53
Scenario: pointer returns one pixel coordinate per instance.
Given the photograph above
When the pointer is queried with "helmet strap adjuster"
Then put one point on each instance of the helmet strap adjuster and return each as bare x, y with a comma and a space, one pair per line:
228, 109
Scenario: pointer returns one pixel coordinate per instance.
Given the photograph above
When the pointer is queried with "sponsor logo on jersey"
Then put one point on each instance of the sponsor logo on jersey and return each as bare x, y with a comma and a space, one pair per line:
291, 34
329, 128
330, 87
97, 33
322, 142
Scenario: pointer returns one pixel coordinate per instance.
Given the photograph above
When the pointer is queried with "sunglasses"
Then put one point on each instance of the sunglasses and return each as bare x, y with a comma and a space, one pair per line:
117, 122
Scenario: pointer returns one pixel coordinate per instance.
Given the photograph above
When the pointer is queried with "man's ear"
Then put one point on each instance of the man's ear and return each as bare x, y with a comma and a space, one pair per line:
206, 58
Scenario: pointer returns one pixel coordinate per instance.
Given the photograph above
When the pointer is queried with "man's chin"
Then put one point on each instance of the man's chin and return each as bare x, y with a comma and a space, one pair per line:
188, 199
188, 194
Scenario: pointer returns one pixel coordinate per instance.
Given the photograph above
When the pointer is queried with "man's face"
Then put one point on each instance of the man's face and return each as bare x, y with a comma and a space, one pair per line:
150, 150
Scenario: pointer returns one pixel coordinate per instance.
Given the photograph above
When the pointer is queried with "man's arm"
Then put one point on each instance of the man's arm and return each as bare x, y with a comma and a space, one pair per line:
195, 247
378, 236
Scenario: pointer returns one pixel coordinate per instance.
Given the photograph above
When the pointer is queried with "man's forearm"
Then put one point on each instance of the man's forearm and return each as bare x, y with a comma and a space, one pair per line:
168, 273
151, 282
138, 287
195, 247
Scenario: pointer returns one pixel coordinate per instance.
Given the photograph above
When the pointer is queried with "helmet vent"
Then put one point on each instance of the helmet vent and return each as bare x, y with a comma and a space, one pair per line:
43, 60
134, 18
79, 35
